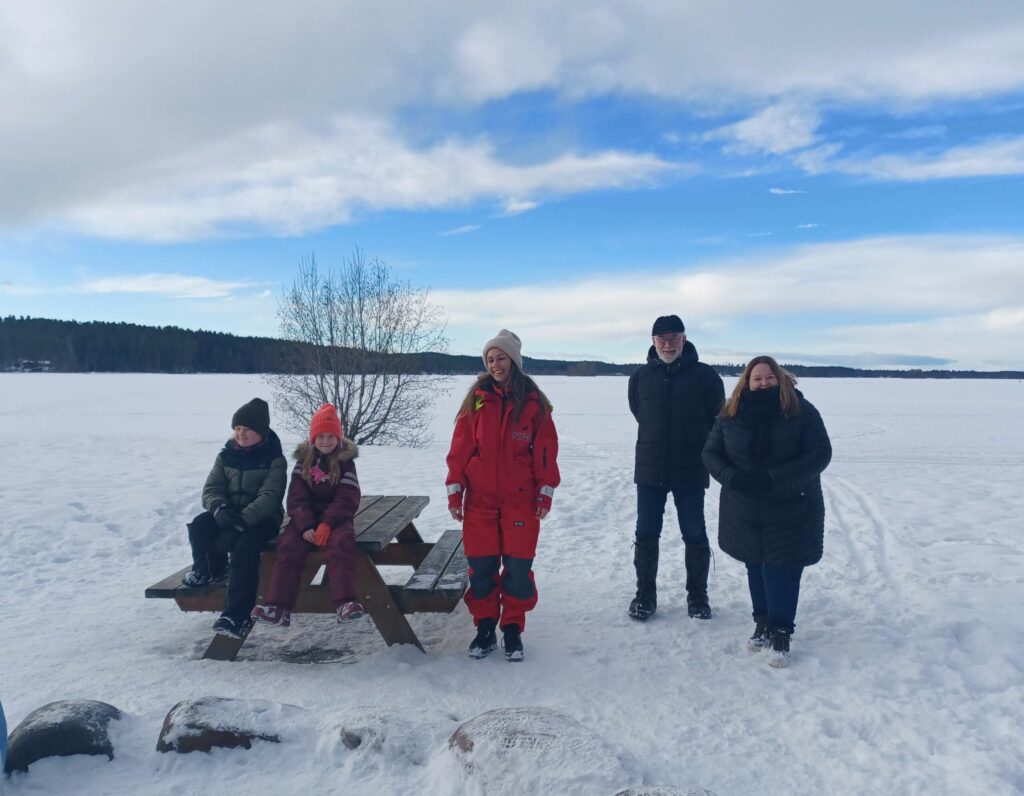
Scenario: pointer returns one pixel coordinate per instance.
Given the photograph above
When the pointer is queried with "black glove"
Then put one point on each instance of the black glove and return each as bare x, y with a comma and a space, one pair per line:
226, 517
231, 527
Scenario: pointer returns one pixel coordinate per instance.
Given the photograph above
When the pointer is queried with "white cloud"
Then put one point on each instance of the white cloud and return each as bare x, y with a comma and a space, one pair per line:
1004, 318
285, 180
784, 191
913, 51
863, 359
776, 129
807, 226
86, 128
968, 339
819, 159
463, 230
994, 157
763, 303
925, 131
175, 286
513, 207
11, 288
496, 58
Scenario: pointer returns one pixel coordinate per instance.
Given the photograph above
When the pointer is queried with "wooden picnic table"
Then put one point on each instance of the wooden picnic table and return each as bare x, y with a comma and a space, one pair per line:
385, 536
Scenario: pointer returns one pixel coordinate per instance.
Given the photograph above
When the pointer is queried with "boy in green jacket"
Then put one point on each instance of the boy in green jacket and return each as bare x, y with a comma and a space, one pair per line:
242, 497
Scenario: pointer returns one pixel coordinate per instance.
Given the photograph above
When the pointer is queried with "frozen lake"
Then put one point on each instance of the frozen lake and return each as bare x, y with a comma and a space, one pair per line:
907, 673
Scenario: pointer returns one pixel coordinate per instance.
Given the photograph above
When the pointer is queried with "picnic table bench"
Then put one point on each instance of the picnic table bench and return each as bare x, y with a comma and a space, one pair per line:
385, 535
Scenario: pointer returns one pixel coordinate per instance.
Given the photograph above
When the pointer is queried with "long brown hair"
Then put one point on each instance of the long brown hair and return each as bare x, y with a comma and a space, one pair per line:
787, 388
332, 459
516, 387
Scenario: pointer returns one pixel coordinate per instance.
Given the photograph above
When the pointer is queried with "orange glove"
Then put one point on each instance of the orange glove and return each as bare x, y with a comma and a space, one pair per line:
323, 533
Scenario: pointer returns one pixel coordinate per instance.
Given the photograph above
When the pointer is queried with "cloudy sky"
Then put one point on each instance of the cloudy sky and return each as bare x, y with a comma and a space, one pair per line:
828, 182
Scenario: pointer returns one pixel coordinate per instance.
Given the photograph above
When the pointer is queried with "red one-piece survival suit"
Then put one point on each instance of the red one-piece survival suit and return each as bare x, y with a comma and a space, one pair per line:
503, 466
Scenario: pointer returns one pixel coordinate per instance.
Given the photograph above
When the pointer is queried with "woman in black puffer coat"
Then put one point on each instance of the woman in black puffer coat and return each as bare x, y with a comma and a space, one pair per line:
768, 448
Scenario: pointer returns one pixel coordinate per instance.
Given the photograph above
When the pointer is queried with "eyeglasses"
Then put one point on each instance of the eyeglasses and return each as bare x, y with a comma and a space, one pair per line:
665, 339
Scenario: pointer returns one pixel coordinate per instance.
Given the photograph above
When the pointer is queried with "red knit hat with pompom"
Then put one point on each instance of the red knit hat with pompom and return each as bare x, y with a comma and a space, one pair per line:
325, 421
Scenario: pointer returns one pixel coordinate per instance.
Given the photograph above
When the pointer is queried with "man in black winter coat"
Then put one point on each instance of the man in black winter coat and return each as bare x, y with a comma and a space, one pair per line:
675, 399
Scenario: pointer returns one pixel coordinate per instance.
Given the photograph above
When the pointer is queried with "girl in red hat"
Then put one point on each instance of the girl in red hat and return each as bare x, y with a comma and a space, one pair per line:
502, 474
323, 497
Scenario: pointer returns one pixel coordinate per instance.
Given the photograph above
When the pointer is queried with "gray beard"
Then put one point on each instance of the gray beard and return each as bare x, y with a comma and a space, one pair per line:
670, 360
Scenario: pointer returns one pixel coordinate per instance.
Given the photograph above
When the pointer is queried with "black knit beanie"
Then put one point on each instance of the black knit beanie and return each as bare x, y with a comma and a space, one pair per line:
668, 324
254, 415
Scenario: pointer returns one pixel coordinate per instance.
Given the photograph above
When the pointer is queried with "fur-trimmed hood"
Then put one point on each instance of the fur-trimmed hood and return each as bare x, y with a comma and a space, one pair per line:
349, 450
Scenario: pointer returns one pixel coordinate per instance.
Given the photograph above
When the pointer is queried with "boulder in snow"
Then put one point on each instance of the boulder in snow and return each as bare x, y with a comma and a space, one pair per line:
536, 750
663, 790
199, 725
409, 734
59, 729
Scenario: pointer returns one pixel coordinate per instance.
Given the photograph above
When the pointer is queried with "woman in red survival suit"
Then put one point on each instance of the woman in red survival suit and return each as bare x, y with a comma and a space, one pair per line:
502, 474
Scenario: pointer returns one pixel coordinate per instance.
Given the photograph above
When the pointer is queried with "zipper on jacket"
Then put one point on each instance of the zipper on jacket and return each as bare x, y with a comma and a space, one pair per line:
501, 440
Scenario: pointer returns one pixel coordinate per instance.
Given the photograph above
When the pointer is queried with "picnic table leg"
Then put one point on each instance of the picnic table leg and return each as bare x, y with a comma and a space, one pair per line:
223, 648
409, 534
376, 598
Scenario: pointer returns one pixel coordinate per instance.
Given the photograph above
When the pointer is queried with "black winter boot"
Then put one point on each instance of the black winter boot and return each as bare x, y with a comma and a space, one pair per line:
235, 628
778, 654
645, 560
698, 562
512, 641
486, 640
761, 639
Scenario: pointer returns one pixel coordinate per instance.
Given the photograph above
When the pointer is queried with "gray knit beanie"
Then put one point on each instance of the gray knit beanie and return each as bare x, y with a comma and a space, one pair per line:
508, 342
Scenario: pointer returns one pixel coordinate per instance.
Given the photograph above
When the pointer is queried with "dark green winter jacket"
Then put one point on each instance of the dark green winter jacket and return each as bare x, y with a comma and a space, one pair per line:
251, 480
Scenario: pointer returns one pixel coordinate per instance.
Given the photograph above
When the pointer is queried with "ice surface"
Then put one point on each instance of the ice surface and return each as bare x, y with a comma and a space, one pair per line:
906, 673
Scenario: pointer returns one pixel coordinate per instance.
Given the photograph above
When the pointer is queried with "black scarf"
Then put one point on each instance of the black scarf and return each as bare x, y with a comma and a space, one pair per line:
258, 457
759, 408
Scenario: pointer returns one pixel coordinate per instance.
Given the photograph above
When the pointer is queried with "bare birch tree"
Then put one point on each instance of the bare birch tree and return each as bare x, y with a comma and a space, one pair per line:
356, 332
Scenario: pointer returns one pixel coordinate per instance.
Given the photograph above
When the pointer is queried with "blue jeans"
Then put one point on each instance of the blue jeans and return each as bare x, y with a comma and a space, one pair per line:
774, 592
650, 513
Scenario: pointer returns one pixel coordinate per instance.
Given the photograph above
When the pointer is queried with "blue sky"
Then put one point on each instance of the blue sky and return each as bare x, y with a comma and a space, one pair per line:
825, 182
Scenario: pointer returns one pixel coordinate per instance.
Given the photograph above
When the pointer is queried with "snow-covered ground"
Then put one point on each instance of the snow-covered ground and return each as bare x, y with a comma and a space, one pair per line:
908, 662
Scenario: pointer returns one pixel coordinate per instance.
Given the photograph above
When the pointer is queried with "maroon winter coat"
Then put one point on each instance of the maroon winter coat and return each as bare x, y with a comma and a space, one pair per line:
336, 504
309, 504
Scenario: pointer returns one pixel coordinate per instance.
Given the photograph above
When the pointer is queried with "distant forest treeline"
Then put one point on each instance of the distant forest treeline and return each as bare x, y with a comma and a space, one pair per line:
95, 346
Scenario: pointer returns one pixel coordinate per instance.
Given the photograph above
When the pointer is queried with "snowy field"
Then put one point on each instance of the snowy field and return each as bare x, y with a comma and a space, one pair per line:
907, 673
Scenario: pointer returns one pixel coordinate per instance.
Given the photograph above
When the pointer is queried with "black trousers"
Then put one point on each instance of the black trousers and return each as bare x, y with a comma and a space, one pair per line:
242, 564
650, 514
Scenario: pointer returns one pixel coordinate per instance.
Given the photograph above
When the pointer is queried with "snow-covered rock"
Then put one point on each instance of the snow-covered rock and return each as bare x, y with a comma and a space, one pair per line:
403, 735
536, 750
199, 725
663, 790
60, 729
